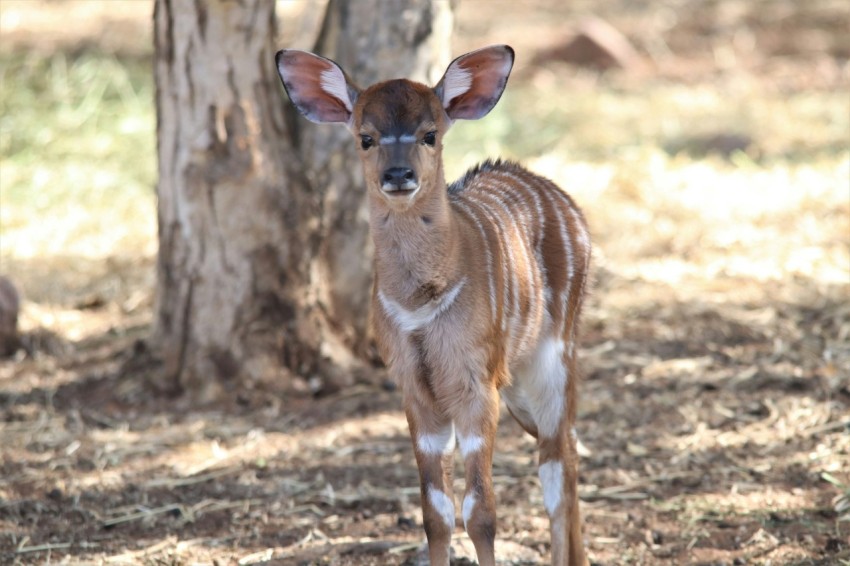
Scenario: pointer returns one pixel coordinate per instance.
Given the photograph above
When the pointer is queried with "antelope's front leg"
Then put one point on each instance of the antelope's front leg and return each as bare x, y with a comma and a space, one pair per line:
476, 433
433, 443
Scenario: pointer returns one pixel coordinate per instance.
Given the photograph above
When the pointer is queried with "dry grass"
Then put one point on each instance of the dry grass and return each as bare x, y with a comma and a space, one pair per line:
715, 408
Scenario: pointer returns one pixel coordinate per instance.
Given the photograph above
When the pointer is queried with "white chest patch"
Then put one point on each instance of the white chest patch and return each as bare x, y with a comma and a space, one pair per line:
409, 321
443, 505
552, 479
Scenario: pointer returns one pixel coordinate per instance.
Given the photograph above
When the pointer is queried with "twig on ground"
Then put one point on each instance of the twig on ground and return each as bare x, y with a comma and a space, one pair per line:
212, 505
180, 482
628, 491
306, 507
607, 540
147, 513
256, 557
43, 547
827, 427
131, 556
406, 547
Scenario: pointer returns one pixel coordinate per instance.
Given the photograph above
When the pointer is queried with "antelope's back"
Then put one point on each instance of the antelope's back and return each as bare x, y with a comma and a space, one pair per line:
537, 251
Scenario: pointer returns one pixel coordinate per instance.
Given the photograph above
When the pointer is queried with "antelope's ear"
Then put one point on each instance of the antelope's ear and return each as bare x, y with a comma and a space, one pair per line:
317, 86
474, 82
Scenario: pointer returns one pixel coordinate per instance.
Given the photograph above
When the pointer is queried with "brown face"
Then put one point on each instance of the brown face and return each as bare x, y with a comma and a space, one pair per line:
399, 126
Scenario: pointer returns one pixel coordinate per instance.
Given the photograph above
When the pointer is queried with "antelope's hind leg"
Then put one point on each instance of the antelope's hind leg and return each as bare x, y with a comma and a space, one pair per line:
558, 470
549, 397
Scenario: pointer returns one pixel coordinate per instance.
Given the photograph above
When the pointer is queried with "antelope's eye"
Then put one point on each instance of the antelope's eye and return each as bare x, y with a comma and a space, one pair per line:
430, 138
366, 141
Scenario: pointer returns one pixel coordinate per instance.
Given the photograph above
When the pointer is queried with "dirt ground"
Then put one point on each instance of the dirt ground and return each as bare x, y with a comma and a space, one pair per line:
715, 419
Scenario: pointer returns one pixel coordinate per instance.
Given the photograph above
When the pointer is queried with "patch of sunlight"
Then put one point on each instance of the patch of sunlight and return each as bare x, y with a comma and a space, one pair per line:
742, 498
80, 229
585, 181
791, 417
665, 219
101, 479
71, 324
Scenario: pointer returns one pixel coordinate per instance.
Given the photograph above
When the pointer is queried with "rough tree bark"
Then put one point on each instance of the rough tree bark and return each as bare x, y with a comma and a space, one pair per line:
264, 255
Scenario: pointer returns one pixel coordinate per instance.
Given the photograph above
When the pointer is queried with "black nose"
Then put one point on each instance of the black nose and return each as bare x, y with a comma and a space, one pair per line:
398, 176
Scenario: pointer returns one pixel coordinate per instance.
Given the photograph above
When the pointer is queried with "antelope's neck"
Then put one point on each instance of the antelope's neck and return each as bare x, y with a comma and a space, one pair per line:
417, 251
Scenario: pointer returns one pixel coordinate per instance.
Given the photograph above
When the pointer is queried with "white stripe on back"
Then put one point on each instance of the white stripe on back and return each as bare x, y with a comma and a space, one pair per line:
519, 327
509, 201
565, 242
507, 259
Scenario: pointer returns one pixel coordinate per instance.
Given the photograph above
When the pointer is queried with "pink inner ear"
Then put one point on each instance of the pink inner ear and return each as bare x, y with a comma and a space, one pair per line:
488, 70
304, 76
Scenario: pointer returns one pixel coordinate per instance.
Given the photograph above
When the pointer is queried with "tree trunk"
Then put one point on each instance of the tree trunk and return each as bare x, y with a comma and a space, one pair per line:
264, 258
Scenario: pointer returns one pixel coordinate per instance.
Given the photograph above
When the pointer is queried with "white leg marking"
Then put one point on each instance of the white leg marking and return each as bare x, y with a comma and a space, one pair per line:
469, 444
468, 506
443, 505
552, 480
442, 442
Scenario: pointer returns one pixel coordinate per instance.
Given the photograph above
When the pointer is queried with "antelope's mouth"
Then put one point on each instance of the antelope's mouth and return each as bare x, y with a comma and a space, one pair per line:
407, 189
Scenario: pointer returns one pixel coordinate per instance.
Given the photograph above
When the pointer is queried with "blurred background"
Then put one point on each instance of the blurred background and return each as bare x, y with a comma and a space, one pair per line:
707, 142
